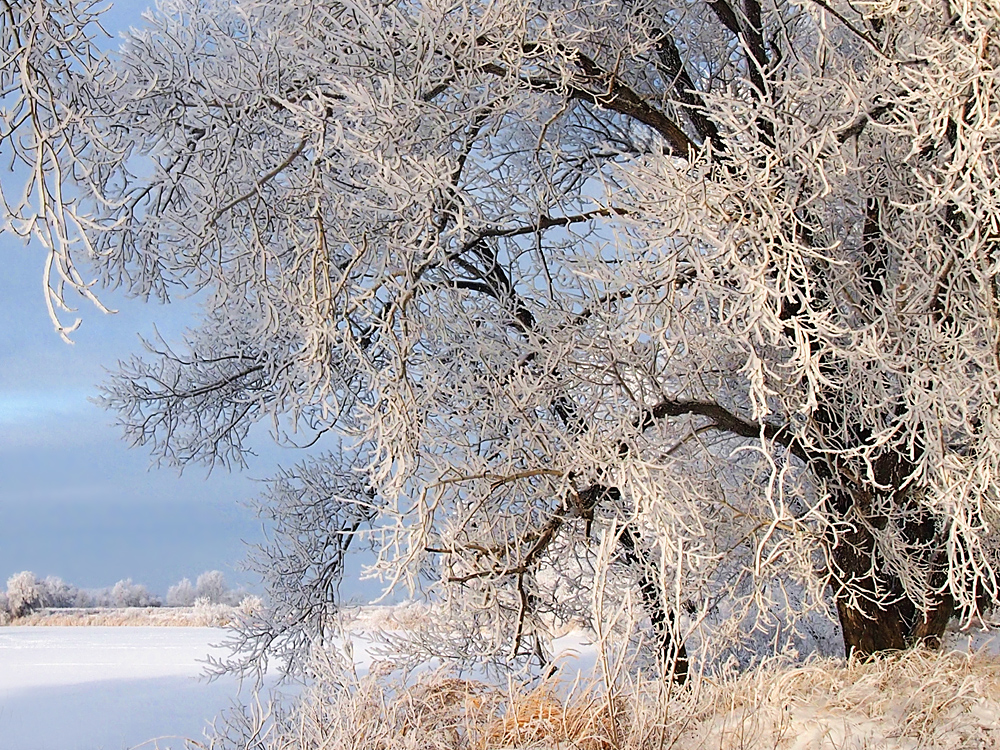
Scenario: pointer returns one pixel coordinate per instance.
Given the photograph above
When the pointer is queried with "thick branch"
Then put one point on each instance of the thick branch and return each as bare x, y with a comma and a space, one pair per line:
544, 538
725, 420
857, 127
725, 13
616, 97
693, 104
622, 99
547, 222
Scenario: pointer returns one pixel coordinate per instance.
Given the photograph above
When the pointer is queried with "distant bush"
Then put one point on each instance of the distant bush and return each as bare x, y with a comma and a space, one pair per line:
182, 594
128, 594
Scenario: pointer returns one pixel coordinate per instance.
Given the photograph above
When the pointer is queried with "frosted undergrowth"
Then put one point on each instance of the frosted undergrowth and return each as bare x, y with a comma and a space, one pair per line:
919, 699
924, 699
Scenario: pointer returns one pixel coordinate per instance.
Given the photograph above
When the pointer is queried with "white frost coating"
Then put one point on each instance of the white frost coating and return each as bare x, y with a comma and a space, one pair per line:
683, 315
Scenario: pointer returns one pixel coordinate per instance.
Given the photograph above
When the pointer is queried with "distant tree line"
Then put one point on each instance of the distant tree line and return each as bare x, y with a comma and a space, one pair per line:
27, 593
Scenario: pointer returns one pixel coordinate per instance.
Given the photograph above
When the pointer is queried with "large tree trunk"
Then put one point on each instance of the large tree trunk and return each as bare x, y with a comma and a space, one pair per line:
876, 613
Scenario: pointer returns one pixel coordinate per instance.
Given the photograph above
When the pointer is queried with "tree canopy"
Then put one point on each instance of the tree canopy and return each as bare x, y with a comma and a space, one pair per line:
686, 311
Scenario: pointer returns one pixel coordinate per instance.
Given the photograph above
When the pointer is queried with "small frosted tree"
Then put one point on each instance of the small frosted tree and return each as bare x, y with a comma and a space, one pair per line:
84, 599
25, 594
128, 594
211, 585
57, 593
683, 309
182, 594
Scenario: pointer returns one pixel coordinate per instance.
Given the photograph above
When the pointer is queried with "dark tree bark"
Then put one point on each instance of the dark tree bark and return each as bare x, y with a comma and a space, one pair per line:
876, 613
670, 649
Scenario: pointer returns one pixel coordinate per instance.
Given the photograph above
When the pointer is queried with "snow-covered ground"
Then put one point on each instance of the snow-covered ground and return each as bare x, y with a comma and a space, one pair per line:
107, 688
112, 688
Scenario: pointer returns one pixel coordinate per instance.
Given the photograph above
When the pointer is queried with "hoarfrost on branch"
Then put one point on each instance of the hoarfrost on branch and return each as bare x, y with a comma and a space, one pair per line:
684, 310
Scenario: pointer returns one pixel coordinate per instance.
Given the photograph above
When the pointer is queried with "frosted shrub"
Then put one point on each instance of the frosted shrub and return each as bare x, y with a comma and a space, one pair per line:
128, 594
25, 594
212, 586
250, 606
212, 613
182, 594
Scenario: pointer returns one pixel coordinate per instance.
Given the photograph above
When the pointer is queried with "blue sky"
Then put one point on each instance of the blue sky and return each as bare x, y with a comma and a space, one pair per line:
75, 501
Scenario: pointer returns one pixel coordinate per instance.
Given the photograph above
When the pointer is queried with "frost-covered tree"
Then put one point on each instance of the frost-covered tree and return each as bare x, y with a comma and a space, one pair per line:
182, 594
687, 309
128, 594
57, 593
25, 593
84, 599
211, 585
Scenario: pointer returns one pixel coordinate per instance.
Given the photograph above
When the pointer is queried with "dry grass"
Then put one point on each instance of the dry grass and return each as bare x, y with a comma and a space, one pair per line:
444, 713
542, 717
914, 700
213, 615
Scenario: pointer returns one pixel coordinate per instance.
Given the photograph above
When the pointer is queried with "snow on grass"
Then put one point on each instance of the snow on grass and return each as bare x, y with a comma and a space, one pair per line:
917, 699
914, 699
203, 614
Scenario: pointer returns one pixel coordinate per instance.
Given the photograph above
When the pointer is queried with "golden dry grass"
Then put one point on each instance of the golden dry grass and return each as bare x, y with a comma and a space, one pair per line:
459, 713
542, 717
211, 616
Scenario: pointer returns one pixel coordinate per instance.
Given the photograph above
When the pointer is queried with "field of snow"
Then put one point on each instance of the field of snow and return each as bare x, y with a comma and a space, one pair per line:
107, 688
115, 688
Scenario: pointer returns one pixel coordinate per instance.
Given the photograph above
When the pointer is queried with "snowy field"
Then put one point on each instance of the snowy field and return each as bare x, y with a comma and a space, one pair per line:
115, 688
107, 688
